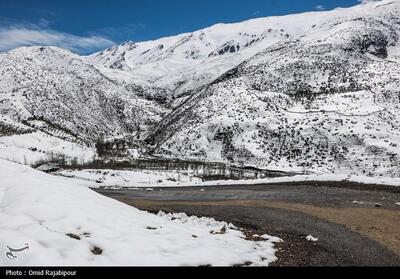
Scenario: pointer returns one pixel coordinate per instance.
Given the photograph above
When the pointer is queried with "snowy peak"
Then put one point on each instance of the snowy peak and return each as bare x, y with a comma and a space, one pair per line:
182, 64
325, 100
114, 57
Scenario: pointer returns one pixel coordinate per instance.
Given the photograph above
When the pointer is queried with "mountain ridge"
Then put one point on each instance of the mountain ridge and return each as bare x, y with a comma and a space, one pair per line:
299, 92
307, 74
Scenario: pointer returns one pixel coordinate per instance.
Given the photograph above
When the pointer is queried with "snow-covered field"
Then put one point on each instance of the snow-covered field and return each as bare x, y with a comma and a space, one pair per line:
65, 223
148, 178
34, 147
389, 181
127, 178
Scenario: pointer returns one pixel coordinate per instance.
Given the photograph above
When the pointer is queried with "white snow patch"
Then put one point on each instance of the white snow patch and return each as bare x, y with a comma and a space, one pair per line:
38, 146
271, 238
41, 209
358, 202
311, 238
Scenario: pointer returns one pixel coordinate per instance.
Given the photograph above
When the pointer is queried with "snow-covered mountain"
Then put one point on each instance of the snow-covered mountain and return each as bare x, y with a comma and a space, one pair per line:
175, 66
313, 91
171, 67
54, 90
327, 100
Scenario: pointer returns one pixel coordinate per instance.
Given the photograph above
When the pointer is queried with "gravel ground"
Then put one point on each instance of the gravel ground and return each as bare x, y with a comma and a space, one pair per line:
357, 225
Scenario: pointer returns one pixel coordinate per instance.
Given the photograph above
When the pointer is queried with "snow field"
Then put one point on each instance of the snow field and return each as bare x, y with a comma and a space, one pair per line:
65, 223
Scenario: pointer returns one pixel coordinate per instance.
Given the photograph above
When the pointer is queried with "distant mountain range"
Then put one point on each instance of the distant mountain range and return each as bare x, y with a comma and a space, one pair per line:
317, 91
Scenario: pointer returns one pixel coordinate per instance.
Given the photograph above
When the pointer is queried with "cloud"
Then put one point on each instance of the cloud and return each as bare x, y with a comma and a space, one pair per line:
320, 7
29, 35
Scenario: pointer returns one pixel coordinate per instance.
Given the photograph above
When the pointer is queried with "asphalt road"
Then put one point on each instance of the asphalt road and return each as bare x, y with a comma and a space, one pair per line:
357, 225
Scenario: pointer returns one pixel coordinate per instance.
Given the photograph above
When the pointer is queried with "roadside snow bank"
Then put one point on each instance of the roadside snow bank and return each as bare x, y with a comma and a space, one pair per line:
389, 181
142, 179
64, 223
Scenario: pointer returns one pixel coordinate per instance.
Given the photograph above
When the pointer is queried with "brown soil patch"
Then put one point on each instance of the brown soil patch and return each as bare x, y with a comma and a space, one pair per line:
381, 225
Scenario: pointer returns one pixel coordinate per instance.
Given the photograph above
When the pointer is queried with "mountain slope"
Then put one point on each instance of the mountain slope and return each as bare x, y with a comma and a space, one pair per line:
52, 89
315, 91
177, 66
327, 101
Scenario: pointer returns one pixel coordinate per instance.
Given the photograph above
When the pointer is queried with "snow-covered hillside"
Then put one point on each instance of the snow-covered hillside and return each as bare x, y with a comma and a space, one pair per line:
58, 92
316, 91
26, 145
327, 101
65, 223
170, 67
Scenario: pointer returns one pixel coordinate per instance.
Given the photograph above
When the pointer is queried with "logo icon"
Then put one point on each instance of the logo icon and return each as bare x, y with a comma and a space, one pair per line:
10, 254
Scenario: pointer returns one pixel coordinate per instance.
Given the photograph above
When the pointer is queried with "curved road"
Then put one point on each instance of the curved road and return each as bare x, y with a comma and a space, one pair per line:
357, 225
